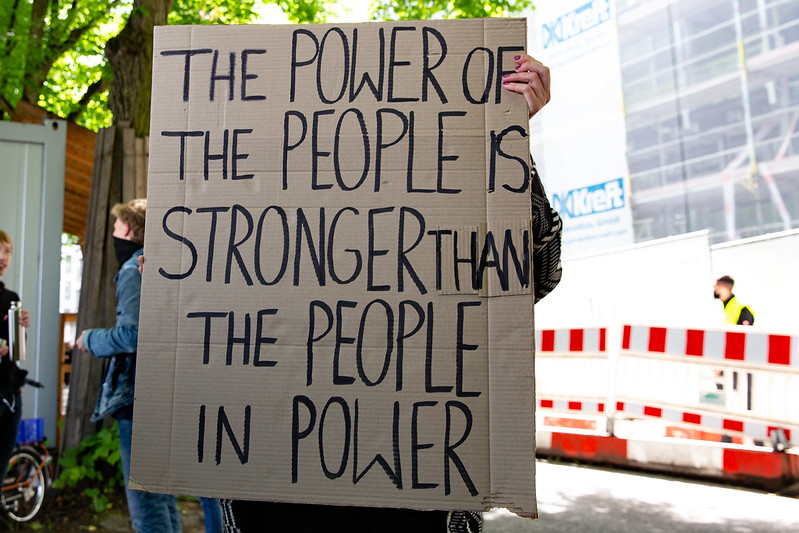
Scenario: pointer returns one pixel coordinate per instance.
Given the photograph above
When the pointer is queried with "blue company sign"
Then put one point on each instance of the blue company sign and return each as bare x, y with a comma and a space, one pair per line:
575, 22
590, 200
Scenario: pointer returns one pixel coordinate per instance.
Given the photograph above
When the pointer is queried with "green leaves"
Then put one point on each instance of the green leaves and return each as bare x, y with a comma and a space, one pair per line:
213, 12
446, 9
304, 11
94, 466
52, 51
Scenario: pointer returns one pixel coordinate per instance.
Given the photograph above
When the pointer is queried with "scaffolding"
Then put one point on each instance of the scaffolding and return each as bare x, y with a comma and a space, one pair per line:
711, 93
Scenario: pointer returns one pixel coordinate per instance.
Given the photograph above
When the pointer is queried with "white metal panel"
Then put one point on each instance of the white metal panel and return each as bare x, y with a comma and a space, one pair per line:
666, 282
573, 376
31, 211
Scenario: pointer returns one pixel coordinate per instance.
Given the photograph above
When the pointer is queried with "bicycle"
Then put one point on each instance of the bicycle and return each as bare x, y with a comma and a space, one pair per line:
30, 474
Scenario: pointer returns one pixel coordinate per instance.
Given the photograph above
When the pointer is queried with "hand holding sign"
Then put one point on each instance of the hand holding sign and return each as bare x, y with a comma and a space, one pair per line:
531, 79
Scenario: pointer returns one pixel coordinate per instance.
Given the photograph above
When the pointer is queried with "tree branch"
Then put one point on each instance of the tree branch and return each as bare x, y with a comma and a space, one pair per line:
37, 19
35, 52
75, 35
11, 22
54, 11
94, 89
6, 106
72, 13
54, 52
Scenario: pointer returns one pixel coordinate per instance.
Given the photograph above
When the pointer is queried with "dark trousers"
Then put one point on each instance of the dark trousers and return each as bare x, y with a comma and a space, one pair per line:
9, 426
254, 517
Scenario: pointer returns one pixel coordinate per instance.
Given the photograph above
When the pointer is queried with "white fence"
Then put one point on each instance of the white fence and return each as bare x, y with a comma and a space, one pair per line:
737, 383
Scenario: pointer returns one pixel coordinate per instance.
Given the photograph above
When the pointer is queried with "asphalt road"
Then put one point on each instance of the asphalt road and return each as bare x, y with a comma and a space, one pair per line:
578, 499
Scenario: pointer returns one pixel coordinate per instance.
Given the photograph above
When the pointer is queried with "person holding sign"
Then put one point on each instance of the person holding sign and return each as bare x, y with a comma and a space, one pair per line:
149, 512
11, 376
413, 163
532, 80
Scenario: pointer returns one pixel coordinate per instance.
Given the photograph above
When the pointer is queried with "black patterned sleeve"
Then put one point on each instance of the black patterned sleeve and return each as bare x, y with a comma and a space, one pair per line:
547, 229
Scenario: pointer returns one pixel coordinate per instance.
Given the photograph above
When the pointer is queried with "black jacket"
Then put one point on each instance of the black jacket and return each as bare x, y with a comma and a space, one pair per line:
11, 377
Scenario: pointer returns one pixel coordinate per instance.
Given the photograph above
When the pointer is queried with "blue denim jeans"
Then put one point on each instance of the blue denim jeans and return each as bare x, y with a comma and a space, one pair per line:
149, 512
212, 515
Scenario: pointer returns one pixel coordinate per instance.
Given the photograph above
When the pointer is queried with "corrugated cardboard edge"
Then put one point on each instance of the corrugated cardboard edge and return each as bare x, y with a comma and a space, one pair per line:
511, 374
154, 402
135, 485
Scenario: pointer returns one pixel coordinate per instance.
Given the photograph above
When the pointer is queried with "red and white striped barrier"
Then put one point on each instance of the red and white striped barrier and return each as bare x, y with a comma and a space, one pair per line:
741, 464
576, 341
753, 348
758, 430
754, 429
571, 362
704, 402
572, 405
756, 375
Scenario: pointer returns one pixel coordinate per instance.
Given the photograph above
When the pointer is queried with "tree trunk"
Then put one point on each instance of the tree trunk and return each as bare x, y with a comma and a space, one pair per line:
119, 175
130, 55
97, 307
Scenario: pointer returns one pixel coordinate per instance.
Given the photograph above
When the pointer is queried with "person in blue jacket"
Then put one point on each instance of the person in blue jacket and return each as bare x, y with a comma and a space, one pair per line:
149, 512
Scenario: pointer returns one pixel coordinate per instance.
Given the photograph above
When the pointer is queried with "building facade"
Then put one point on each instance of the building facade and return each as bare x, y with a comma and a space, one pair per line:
689, 107
711, 93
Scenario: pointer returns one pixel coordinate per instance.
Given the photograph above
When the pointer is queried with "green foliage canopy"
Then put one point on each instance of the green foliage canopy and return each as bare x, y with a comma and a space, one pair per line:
446, 9
40, 37
212, 12
305, 11
52, 51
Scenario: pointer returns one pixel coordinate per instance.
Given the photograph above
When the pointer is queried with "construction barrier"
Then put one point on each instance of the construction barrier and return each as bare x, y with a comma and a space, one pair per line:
744, 465
718, 393
573, 364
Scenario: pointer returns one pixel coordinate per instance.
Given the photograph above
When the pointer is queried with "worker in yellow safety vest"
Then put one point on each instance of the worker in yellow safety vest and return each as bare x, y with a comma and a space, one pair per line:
734, 311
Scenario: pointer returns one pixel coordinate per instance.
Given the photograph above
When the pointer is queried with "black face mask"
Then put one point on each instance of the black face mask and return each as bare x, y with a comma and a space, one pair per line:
124, 249
716, 295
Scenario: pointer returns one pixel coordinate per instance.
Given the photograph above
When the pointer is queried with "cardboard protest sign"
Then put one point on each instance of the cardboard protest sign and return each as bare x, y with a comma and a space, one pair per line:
337, 301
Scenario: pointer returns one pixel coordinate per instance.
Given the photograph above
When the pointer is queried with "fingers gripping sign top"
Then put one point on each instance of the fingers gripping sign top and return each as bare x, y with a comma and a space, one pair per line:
531, 79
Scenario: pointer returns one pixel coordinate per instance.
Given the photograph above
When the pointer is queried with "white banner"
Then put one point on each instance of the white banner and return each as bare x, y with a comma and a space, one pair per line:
579, 139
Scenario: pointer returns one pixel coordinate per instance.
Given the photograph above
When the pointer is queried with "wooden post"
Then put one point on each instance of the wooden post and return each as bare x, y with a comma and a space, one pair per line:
118, 176
64, 368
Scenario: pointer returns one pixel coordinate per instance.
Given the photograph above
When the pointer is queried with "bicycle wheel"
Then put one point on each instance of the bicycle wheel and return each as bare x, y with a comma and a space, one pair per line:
24, 486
